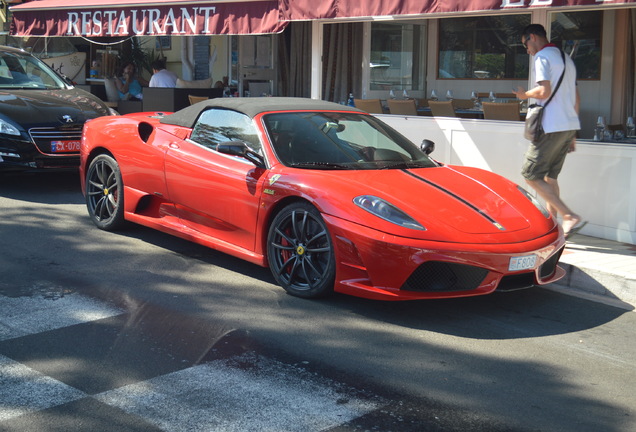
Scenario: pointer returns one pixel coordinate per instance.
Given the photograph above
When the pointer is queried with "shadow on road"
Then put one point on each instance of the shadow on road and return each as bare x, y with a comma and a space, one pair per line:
42, 187
181, 298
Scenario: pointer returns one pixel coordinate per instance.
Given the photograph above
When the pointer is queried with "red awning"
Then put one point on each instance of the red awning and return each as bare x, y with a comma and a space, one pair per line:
325, 9
110, 18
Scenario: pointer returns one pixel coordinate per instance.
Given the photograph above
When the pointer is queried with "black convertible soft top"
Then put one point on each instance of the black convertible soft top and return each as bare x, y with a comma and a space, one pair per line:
252, 107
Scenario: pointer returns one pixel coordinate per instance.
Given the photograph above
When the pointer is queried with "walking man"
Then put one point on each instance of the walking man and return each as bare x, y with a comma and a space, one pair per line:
544, 158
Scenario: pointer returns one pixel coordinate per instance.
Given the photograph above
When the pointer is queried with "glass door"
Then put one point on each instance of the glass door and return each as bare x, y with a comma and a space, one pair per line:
256, 69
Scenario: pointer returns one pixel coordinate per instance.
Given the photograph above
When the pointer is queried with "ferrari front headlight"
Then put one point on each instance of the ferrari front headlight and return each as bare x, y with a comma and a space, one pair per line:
387, 211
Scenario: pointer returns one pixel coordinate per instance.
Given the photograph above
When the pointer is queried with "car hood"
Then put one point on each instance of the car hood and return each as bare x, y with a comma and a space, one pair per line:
459, 204
32, 107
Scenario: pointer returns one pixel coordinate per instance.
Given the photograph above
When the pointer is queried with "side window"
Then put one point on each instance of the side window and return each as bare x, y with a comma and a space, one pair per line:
398, 57
579, 34
487, 47
216, 126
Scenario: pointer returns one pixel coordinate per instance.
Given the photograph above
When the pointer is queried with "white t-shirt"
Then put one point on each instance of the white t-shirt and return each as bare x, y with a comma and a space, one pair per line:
560, 114
163, 78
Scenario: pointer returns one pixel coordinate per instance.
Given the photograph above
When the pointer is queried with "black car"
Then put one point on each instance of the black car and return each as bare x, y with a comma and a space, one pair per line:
41, 114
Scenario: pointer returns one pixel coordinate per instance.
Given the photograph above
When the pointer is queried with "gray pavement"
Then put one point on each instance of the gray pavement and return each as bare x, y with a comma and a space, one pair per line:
601, 270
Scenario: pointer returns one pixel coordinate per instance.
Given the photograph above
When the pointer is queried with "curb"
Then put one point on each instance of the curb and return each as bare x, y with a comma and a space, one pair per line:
597, 285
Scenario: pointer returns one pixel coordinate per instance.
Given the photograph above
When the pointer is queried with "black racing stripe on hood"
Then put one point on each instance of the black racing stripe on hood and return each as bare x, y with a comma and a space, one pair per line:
457, 197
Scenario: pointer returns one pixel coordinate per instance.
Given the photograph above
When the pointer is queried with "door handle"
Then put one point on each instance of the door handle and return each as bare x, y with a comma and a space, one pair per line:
173, 146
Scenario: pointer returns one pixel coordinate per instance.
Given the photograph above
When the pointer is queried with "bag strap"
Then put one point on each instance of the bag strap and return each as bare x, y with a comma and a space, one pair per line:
560, 79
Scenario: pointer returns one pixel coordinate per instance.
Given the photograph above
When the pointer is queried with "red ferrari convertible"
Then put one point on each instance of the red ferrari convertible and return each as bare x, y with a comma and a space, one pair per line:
329, 197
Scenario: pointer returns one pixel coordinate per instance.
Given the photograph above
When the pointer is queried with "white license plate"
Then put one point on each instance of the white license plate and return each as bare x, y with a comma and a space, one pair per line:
522, 262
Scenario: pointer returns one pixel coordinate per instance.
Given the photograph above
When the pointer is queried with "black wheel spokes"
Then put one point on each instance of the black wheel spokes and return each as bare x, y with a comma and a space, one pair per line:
318, 253
308, 268
298, 231
103, 189
304, 269
284, 237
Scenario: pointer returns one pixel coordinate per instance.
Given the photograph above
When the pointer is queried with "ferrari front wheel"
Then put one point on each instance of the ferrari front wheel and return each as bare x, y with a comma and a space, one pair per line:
300, 251
105, 193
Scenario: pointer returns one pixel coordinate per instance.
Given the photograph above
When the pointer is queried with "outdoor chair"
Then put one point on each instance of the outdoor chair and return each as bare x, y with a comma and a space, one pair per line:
203, 83
463, 104
506, 96
195, 99
402, 107
442, 108
501, 111
112, 94
373, 106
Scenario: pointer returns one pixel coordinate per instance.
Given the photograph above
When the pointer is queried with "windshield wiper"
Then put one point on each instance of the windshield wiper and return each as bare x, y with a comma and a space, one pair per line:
326, 165
24, 87
400, 165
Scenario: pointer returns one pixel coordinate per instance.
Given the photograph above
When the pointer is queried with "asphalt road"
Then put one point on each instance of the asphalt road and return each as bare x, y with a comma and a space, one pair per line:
162, 313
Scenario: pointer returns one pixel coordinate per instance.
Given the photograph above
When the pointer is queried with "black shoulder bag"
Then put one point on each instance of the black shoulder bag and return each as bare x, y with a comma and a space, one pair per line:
534, 117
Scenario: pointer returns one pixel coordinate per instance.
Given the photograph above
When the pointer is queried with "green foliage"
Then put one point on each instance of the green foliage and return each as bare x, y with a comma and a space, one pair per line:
493, 63
133, 51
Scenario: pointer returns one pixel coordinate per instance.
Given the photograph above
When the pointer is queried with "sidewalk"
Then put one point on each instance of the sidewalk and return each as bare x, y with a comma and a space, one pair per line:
601, 270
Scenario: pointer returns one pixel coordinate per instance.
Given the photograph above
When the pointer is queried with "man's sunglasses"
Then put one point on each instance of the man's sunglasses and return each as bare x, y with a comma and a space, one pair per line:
525, 41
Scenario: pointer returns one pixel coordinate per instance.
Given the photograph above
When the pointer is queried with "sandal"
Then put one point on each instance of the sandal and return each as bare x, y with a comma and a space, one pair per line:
574, 230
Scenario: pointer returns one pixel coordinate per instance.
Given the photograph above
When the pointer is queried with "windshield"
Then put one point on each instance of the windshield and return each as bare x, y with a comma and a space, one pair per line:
26, 72
320, 140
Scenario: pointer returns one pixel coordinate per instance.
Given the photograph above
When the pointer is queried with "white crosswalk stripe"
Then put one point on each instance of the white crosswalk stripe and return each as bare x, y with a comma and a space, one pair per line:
23, 390
215, 396
23, 316
240, 393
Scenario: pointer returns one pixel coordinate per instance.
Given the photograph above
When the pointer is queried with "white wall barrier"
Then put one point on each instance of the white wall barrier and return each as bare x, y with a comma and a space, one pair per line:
598, 181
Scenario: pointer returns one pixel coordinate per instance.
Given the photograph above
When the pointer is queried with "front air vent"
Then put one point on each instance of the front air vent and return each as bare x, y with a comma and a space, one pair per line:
438, 276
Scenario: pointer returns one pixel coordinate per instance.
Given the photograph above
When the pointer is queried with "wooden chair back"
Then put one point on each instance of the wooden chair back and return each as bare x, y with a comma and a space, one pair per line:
402, 107
195, 99
442, 108
463, 104
373, 106
506, 96
501, 111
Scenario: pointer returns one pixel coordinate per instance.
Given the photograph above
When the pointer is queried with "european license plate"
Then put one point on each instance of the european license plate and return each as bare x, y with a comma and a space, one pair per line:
65, 146
522, 262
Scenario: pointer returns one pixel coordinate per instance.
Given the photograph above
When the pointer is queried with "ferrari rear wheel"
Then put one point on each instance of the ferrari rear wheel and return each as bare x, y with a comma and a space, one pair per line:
105, 193
300, 251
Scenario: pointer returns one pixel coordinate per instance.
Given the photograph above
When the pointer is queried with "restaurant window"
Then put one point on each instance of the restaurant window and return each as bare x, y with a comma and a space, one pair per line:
579, 35
397, 56
486, 47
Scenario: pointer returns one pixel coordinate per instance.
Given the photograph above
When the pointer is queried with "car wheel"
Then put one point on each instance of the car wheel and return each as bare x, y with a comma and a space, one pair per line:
300, 251
105, 193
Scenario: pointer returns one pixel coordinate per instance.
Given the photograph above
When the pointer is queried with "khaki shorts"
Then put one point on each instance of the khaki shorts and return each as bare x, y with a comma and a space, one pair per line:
545, 158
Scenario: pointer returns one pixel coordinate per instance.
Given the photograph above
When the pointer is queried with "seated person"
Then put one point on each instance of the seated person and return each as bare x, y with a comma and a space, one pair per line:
162, 77
128, 84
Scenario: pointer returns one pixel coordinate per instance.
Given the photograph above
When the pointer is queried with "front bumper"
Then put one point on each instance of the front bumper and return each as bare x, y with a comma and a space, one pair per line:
376, 265
20, 153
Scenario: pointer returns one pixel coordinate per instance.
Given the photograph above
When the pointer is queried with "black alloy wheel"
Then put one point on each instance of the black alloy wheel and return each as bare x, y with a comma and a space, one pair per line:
300, 251
105, 193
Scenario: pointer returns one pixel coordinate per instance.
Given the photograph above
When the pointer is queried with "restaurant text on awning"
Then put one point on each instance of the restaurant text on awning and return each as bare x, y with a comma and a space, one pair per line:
90, 18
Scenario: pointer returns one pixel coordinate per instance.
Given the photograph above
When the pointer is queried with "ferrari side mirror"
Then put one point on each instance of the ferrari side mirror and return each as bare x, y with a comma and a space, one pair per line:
427, 146
241, 149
